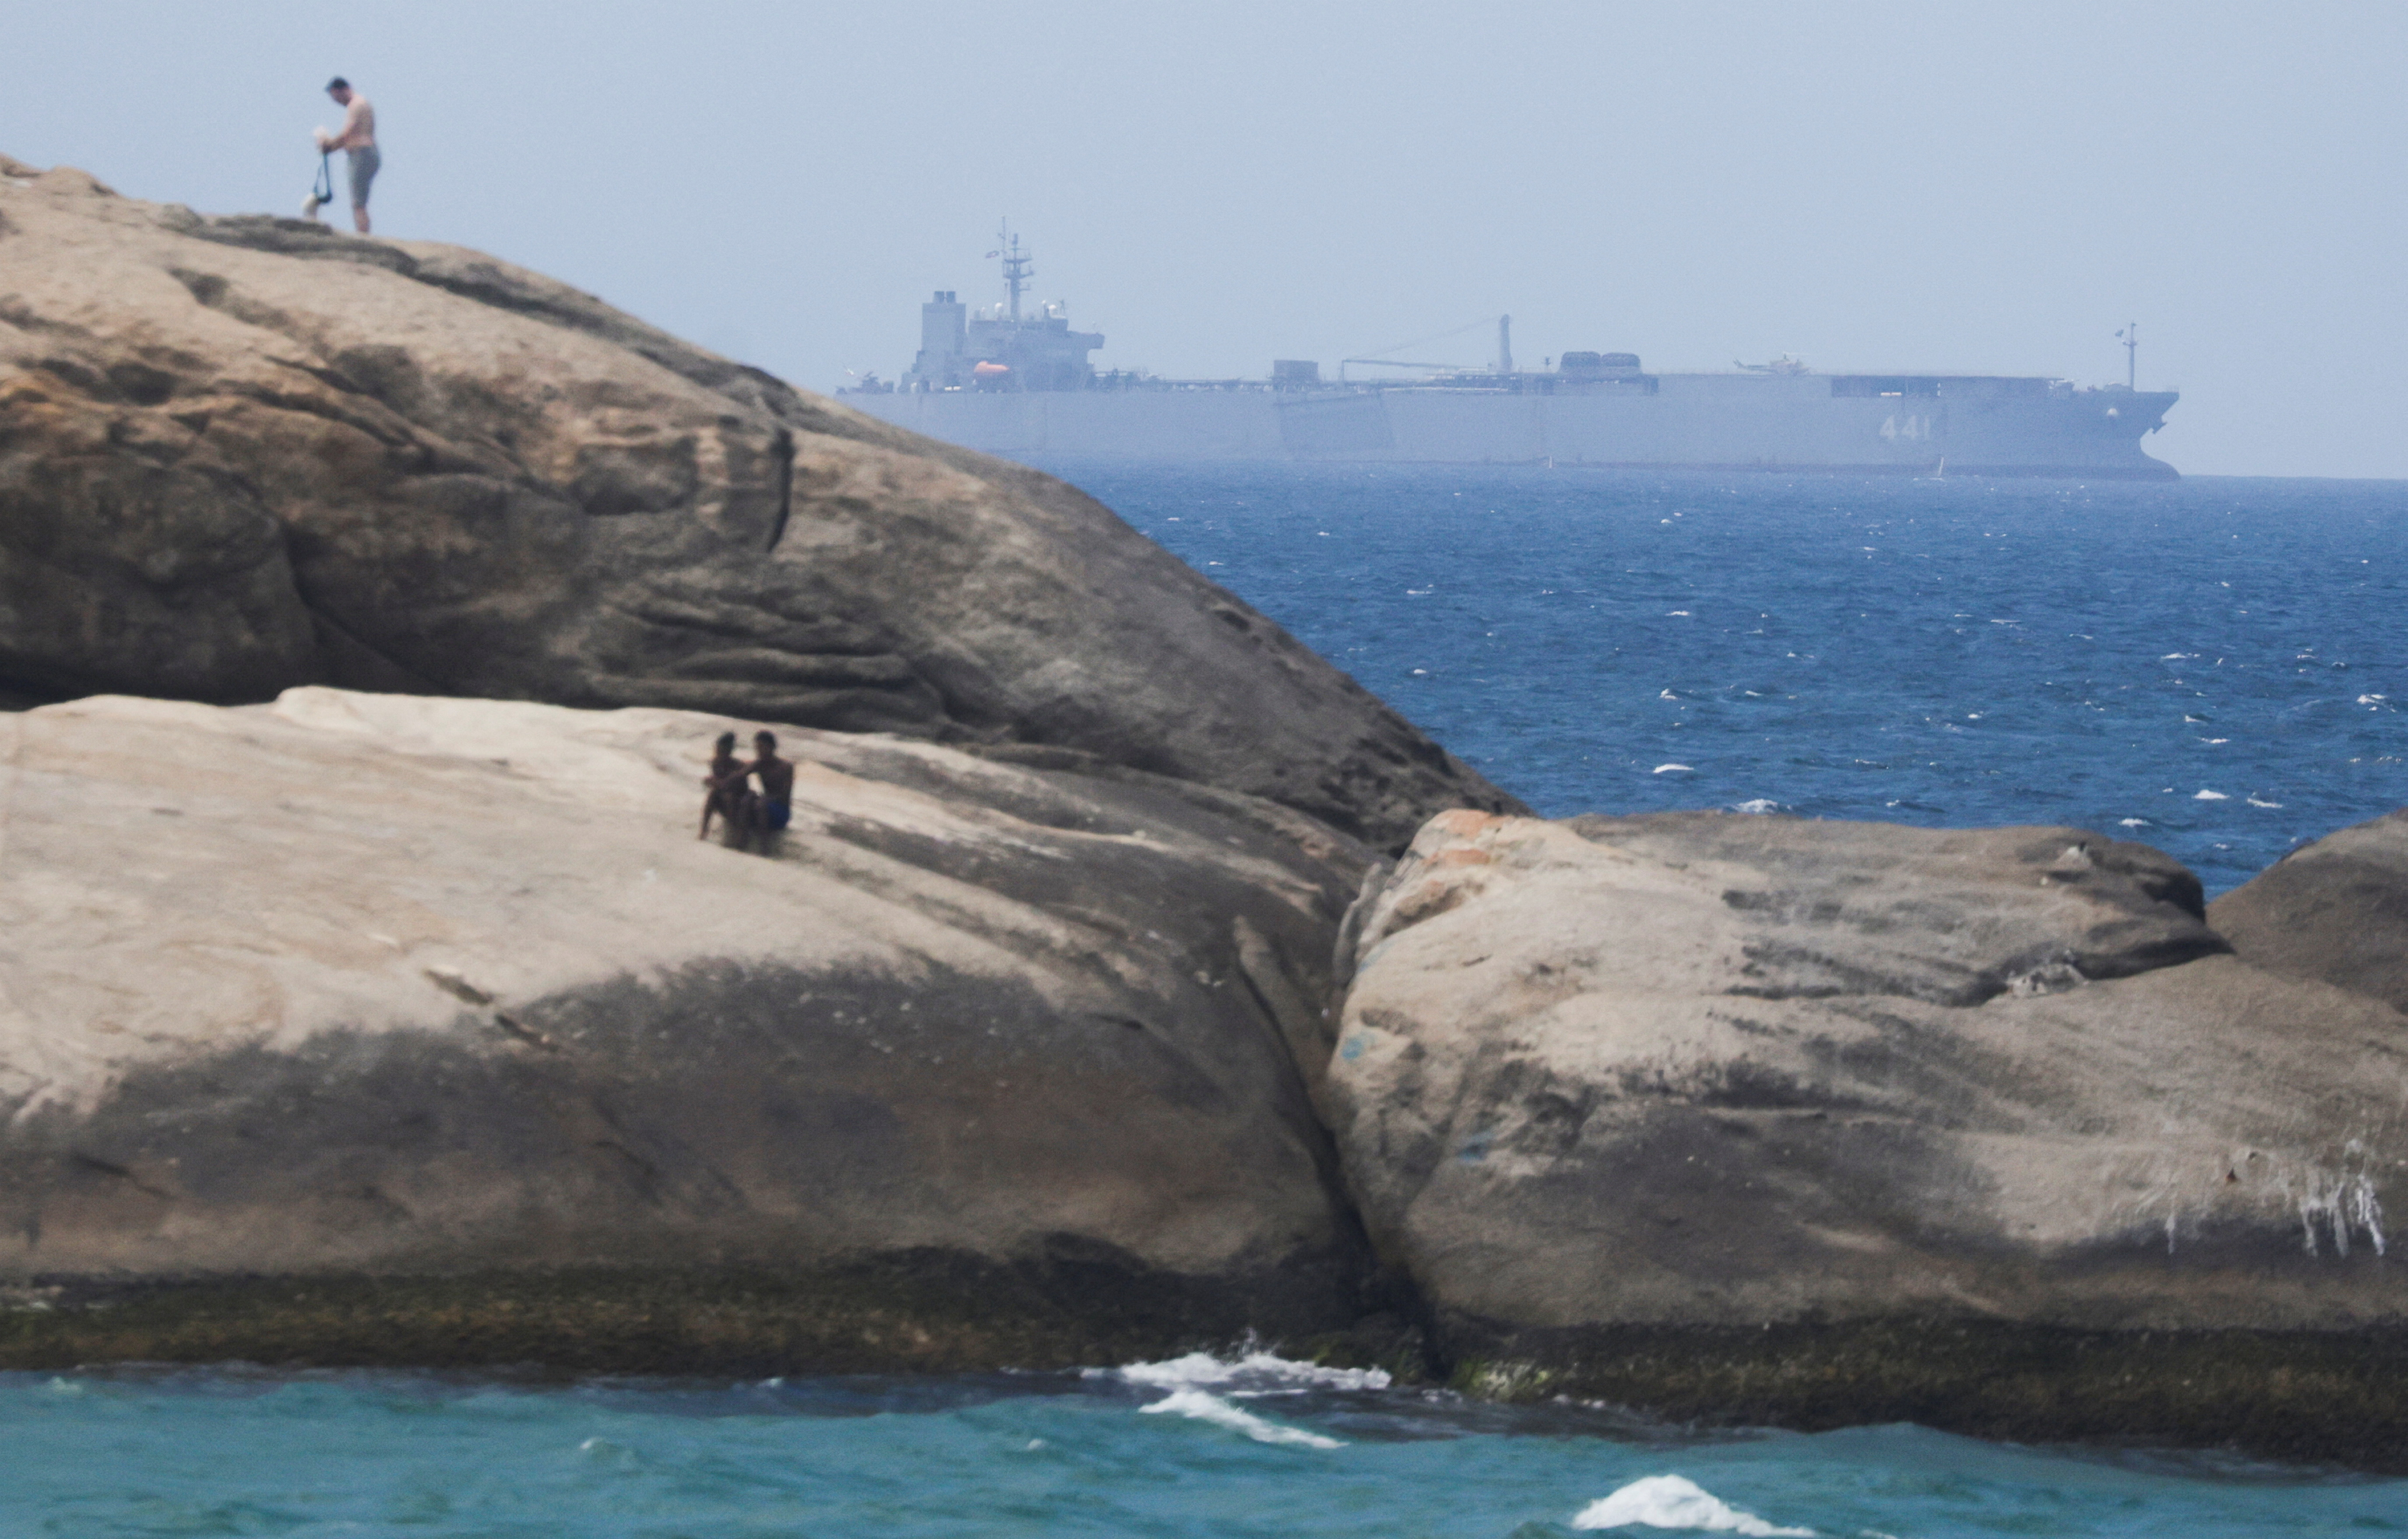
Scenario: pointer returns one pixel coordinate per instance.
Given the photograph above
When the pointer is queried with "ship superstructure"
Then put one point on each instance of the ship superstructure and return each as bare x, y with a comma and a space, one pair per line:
1000, 349
1023, 386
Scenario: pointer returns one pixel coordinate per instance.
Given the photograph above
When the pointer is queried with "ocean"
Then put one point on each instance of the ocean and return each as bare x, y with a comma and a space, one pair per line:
2212, 666
1201, 1447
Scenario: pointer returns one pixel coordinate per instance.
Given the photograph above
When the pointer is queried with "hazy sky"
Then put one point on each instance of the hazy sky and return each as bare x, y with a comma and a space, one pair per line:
1900, 185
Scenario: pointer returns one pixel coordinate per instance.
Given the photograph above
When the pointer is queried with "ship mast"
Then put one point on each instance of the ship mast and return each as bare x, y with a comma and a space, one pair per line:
1017, 270
2131, 335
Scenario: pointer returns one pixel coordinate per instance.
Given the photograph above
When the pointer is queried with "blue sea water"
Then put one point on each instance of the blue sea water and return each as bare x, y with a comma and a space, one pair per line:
1185, 1448
2214, 667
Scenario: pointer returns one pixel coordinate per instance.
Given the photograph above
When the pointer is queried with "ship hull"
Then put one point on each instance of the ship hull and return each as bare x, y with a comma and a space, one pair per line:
1792, 425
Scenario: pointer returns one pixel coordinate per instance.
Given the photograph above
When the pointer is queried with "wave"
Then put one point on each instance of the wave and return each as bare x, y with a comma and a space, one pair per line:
1254, 1372
1246, 1374
1202, 1405
1670, 1502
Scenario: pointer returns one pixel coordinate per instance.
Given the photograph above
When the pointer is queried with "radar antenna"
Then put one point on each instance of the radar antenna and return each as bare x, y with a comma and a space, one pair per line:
1017, 267
2131, 335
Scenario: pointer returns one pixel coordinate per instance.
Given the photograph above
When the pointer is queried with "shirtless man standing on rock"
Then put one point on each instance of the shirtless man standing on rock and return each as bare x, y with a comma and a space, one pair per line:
357, 139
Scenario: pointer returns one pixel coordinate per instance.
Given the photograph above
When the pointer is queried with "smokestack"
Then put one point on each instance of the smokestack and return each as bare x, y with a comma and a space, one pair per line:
1504, 344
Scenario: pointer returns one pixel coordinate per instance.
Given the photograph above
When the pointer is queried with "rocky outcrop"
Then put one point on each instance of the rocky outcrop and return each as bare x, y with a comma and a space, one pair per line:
405, 1029
1817, 1123
410, 1026
2335, 911
242, 454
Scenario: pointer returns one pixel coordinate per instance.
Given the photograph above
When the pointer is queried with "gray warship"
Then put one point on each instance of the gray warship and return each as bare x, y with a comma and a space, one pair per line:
1017, 382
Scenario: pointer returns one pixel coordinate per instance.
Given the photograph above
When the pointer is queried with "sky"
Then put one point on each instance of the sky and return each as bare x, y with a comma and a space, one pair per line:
1894, 186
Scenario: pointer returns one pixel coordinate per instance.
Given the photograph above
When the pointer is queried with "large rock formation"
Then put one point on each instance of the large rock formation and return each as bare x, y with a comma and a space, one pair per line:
240, 455
409, 1029
1819, 1123
2335, 912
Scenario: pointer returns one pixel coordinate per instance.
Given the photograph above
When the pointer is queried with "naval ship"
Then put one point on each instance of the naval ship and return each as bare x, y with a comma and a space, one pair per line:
1021, 385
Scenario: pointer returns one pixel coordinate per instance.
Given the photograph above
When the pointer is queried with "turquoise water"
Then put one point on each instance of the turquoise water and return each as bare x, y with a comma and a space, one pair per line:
1184, 1449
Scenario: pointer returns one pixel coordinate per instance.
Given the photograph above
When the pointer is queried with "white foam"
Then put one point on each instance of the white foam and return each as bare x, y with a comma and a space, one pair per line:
601, 1451
1201, 1405
1668, 768
2256, 802
2211, 796
1670, 1501
2133, 822
1259, 1372
1758, 807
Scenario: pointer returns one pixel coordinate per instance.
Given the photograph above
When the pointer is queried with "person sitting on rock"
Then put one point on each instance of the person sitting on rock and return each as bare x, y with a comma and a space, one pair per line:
725, 791
776, 807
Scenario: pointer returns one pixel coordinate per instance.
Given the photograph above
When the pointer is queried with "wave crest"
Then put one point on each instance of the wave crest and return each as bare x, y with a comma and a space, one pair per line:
1199, 1405
1670, 1502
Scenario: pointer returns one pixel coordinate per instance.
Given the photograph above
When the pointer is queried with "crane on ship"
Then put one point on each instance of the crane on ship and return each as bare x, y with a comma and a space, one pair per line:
1386, 357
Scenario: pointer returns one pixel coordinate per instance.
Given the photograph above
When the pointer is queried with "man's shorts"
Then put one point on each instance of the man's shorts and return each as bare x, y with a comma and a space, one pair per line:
777, 814
365, 165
